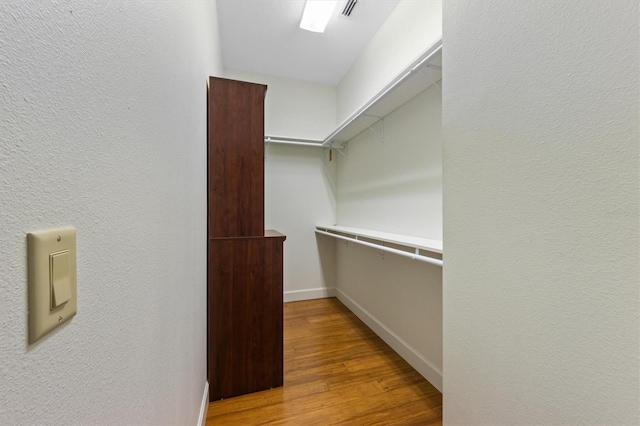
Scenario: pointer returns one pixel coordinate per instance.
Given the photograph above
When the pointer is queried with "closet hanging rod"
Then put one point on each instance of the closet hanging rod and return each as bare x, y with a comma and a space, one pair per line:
384, 93
413, 256
282, 141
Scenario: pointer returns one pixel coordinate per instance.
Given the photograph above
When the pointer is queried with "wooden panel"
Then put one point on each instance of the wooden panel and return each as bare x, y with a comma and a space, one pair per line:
337, 371
245, 315
236, 158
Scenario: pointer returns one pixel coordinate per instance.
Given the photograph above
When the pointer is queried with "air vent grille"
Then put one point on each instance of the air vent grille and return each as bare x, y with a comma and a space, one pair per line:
348, 8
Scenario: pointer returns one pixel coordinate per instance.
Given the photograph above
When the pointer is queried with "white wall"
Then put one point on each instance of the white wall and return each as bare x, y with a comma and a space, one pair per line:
541, 196
103, 127
412, 28
294, 108
396, 186
399, 298
300, 193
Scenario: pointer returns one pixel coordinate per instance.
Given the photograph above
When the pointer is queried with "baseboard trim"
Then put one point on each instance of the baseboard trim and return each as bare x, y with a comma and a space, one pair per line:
309, 294
406, 351
202, 419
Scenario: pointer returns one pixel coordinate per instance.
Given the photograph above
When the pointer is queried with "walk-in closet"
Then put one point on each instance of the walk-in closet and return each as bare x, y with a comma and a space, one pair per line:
353, 178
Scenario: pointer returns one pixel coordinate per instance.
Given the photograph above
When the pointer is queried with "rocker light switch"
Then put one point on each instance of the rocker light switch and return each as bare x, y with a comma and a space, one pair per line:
52, 279
60, 286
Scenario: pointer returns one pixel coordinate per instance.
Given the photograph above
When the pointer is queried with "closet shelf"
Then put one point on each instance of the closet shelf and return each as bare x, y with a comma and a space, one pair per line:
421, 74
282, 140
417, 77
376, 239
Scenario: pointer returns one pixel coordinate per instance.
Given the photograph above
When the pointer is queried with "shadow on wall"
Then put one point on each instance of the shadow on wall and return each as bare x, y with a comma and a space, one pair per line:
330, 174
327, 255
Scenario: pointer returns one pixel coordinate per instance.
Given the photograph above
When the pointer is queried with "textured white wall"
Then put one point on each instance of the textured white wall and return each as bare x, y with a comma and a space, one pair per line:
294, 108
412, 28
300, 193
396, 186
103, 127
541, 222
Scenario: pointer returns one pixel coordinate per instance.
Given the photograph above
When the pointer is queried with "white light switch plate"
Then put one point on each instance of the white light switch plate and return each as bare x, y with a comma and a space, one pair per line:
48, 277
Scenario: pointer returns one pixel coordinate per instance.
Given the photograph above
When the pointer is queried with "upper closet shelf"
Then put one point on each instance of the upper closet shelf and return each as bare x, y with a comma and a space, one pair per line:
292, 141
422, 73
377, 240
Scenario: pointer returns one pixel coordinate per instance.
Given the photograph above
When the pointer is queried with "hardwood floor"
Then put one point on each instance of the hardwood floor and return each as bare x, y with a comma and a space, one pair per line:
336, 371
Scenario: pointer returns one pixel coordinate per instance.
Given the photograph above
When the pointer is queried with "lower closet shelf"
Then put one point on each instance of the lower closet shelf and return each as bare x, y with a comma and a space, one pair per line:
412, 247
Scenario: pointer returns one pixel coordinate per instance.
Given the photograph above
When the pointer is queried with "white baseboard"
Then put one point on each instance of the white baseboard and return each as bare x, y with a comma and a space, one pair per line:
309, 294
417, 361
202, 419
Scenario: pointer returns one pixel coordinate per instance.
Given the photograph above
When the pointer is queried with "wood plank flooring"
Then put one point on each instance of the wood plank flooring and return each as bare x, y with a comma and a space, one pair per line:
336, 372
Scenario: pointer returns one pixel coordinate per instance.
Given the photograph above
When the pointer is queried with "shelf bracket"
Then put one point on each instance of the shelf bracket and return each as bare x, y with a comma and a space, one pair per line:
342, 149
381, 119
426, 74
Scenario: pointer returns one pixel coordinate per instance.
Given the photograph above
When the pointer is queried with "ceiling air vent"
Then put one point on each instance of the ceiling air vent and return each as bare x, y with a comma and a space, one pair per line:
348, 8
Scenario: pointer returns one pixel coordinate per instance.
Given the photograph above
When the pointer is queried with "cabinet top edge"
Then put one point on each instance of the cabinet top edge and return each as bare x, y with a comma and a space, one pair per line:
229, 80
272, 233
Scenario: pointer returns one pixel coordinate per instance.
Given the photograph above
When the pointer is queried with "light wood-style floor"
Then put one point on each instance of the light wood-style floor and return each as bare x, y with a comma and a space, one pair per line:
336, 371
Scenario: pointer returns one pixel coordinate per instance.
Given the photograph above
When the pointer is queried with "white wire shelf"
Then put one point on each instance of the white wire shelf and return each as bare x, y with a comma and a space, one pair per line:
377, 240
417, 77
292, 141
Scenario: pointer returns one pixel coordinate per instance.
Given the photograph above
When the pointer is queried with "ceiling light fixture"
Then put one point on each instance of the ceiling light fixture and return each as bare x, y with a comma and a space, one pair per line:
316, 15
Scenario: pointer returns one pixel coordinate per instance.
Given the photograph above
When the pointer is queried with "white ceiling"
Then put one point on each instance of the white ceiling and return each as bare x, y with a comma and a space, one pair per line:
264, 36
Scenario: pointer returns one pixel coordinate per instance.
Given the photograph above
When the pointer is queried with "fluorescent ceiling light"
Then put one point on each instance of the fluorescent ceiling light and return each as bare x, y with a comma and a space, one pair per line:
316, 15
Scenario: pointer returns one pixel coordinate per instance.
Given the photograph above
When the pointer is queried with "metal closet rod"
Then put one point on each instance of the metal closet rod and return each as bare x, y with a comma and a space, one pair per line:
284, 141
364, 109
419, 257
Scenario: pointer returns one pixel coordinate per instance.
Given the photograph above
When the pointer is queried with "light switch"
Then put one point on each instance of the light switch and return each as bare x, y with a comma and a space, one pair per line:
60, 286
52, 279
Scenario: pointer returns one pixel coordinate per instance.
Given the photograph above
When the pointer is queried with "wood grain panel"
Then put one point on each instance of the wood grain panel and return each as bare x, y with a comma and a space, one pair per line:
236, 158
245, 315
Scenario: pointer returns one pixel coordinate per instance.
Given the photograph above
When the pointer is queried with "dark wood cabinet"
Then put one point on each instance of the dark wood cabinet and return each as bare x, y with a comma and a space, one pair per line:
246, 354
236, 158
245, 262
